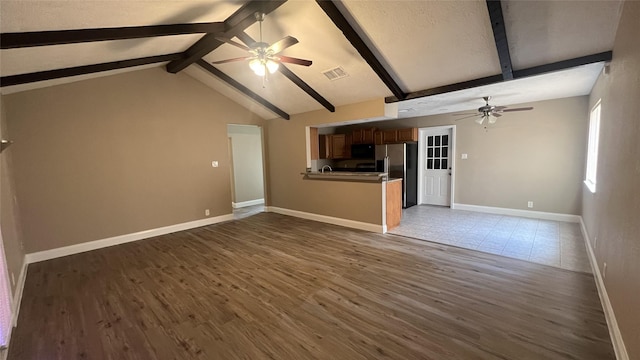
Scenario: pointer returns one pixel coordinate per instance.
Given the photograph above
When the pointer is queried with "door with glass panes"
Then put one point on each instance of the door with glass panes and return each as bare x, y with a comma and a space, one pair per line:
437, 167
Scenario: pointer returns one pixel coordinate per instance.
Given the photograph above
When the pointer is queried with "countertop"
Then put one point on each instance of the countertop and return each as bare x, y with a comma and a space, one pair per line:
346, 175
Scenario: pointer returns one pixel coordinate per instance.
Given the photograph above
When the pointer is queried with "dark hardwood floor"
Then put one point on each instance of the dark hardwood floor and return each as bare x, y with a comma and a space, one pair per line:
277, 287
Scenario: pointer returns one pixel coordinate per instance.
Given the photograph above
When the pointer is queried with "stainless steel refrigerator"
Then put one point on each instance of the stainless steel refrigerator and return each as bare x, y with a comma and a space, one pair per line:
401, 161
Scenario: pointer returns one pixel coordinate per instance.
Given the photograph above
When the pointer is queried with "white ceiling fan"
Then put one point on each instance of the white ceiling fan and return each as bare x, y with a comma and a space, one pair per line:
490, 113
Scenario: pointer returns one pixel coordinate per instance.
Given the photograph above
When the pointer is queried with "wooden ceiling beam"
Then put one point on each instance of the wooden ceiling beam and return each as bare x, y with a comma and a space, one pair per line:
58, 37
448, 88
226, 78
306, 88
235, 24
517, 74
82, 70
563, 65
329, 7
500, 37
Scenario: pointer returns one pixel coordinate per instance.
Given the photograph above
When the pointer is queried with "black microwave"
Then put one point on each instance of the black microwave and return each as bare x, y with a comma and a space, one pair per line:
363, 151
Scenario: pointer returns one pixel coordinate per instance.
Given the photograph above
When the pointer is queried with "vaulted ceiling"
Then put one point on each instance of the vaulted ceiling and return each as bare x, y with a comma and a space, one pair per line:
438, 55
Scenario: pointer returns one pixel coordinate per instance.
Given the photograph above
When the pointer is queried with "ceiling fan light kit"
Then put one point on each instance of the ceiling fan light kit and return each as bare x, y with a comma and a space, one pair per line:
259, 65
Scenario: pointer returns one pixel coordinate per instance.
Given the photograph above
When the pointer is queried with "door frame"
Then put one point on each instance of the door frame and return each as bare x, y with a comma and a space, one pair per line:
421, 159
232, 174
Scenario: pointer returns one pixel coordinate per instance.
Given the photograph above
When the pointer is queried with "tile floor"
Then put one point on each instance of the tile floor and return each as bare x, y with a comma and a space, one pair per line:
243, 212
554, 243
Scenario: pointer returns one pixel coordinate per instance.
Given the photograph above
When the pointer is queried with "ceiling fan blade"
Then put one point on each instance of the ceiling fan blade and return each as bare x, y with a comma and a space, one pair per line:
282, 44
231, 60
469, 113
495, 114
468, 117
518, 109
231, 42
292, 60
498, 108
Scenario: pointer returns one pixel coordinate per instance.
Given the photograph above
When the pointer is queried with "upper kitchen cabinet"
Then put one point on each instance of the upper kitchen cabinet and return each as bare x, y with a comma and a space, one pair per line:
314, 143
363, 136
410, 134
389, 136
392, 136
340, 146
334, 146
377, 138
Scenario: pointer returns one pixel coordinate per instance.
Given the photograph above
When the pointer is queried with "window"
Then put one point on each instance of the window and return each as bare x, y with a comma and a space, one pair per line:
592, 151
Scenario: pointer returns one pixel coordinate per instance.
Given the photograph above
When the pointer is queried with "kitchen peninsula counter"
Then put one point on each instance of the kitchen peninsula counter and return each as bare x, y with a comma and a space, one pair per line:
346, 176
391, 190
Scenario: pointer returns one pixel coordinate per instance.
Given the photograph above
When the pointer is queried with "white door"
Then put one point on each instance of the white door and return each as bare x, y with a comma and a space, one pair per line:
436, 173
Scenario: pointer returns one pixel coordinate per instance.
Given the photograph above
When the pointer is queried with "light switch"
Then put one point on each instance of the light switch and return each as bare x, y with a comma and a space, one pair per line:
214, 163
464, 156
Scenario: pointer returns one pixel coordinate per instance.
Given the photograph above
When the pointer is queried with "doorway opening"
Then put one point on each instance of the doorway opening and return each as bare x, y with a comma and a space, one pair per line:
436, 165
247, 169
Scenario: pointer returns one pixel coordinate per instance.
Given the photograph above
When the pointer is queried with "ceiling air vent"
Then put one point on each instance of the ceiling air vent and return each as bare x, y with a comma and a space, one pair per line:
335, 73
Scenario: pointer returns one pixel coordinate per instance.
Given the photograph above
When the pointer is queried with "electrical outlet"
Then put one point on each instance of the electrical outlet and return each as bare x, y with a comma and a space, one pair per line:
530, 204
206, 212
604, 271
464, 156
214, 163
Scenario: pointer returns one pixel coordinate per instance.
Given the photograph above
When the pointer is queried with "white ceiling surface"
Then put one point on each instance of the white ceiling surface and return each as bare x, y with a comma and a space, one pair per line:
21, 16
34, 15
567, 83
424, 43
542, 32
228, 91
66, 80
319, 41
27, 60
430, 43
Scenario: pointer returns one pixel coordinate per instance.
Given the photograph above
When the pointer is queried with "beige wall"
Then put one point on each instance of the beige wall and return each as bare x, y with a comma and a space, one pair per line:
11, 235
612, 214
535, 155
287, 159
120, 154
246, 147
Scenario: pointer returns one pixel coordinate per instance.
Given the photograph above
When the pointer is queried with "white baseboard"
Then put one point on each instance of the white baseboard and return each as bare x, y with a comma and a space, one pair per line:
247, 203
614, 331
516, 212
17, 299
329, 219
121, 239
17, 296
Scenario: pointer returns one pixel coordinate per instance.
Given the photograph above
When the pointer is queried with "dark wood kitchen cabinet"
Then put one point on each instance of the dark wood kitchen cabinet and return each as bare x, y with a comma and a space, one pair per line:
393, 136
314, 143
363, 136
377, 138
334, 146
338, 146
389, 136
410, 134
323, 146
